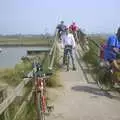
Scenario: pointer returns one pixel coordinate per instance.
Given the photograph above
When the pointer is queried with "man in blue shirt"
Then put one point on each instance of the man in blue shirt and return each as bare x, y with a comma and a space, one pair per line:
61, 29
112, 47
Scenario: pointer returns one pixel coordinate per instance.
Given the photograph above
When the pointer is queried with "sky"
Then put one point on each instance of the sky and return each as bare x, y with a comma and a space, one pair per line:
41, 16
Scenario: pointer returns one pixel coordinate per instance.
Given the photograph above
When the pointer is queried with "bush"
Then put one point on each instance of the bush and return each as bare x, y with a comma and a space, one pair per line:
54, 81
14, 75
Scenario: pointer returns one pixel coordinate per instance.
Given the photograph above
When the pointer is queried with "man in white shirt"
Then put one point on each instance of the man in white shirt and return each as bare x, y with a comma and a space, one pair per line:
68, 41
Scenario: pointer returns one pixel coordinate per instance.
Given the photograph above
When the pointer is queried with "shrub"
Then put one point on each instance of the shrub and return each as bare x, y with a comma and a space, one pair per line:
54, 80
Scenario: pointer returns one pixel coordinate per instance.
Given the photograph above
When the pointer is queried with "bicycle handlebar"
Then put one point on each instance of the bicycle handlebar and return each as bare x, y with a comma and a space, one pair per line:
41, 74
38, 70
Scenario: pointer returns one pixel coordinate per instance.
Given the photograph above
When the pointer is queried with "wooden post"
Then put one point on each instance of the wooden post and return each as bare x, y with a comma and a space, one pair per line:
3, 95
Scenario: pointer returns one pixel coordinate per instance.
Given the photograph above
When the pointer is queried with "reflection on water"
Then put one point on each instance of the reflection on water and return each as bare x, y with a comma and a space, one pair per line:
11, 55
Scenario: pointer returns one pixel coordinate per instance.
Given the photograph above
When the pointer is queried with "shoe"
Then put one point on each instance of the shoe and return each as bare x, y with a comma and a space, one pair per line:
74, 68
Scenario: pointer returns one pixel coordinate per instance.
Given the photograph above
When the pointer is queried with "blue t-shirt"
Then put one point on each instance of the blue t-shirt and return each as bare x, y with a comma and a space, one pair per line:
109, 54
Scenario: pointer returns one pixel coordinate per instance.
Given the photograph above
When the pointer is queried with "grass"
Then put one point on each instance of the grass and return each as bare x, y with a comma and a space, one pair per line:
54, 80
25, 41
13, 76
91, 57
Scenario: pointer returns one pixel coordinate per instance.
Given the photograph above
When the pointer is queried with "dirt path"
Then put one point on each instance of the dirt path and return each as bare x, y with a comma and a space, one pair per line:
79, 100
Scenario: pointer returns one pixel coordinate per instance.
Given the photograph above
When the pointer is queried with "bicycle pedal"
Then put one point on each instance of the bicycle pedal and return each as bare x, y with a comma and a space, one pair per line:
50, 108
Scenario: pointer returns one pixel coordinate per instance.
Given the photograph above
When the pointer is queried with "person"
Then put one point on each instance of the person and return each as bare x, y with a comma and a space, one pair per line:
61, 29
74, 28
112, 47
111, 53
68, 41
102, 47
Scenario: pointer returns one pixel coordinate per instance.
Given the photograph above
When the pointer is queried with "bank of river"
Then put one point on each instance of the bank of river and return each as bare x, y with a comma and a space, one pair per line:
9, 56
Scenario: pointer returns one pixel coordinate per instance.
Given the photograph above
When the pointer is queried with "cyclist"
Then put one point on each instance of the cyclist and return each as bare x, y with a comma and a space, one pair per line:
74, 28
112, 47
61, 29
68, 41
112, 51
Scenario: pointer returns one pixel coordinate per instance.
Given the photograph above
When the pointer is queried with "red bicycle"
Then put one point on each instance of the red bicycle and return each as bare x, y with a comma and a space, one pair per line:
40, 99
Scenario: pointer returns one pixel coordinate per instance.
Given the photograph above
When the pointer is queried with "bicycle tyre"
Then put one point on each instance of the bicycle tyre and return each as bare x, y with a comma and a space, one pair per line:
39, 107
68, 60
104, 80
99, 79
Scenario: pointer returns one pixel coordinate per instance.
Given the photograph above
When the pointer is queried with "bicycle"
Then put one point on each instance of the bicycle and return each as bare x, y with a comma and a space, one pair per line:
39, 93
105, 77
68, 49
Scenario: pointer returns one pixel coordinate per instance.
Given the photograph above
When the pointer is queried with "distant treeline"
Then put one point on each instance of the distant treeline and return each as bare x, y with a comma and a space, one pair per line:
18, 36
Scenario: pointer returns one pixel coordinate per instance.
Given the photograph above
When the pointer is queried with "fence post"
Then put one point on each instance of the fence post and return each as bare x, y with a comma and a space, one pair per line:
3, 95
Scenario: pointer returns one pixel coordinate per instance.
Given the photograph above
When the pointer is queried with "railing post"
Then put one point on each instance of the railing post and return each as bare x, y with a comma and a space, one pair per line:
6, 114
3, 95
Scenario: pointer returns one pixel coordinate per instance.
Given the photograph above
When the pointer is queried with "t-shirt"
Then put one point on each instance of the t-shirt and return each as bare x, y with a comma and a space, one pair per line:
61, 28
73, 28
68, 39
109, 54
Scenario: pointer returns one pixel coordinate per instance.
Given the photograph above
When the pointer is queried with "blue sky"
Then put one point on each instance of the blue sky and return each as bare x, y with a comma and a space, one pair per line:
40, 16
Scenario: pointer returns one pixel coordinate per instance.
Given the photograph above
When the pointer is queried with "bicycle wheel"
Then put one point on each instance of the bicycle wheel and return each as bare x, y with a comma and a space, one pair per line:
100, 77
39, 106
104, 79
68, 60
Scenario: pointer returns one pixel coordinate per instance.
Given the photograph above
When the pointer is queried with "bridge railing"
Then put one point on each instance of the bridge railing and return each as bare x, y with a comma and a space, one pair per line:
16, 92
52, 53
90, 48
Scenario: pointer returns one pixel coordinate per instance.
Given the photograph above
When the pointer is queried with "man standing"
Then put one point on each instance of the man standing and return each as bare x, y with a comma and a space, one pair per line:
68, 41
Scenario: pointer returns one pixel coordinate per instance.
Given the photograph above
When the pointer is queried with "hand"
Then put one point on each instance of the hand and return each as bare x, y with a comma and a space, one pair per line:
62, 47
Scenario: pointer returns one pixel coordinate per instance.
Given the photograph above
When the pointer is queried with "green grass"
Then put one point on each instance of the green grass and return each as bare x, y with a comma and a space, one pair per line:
13, 76
54, 80
91, 57
25, 41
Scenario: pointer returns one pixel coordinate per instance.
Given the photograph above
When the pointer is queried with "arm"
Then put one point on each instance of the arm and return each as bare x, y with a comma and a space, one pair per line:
115, 50
115, 64
113, 43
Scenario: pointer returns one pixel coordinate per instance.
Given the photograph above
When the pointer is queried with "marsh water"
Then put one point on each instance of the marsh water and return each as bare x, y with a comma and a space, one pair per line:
9, 56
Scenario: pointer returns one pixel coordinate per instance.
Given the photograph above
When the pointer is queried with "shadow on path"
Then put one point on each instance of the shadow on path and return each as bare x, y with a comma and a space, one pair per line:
92, 90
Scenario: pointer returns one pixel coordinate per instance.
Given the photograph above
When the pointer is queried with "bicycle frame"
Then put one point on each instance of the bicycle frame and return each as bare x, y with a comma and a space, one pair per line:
40, 98
67, 58
108, 78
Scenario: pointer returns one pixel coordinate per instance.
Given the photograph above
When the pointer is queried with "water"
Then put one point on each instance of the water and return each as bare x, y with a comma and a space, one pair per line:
12, 55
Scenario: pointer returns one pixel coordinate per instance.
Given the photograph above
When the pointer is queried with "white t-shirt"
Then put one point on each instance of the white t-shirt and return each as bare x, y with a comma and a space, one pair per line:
68, 40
